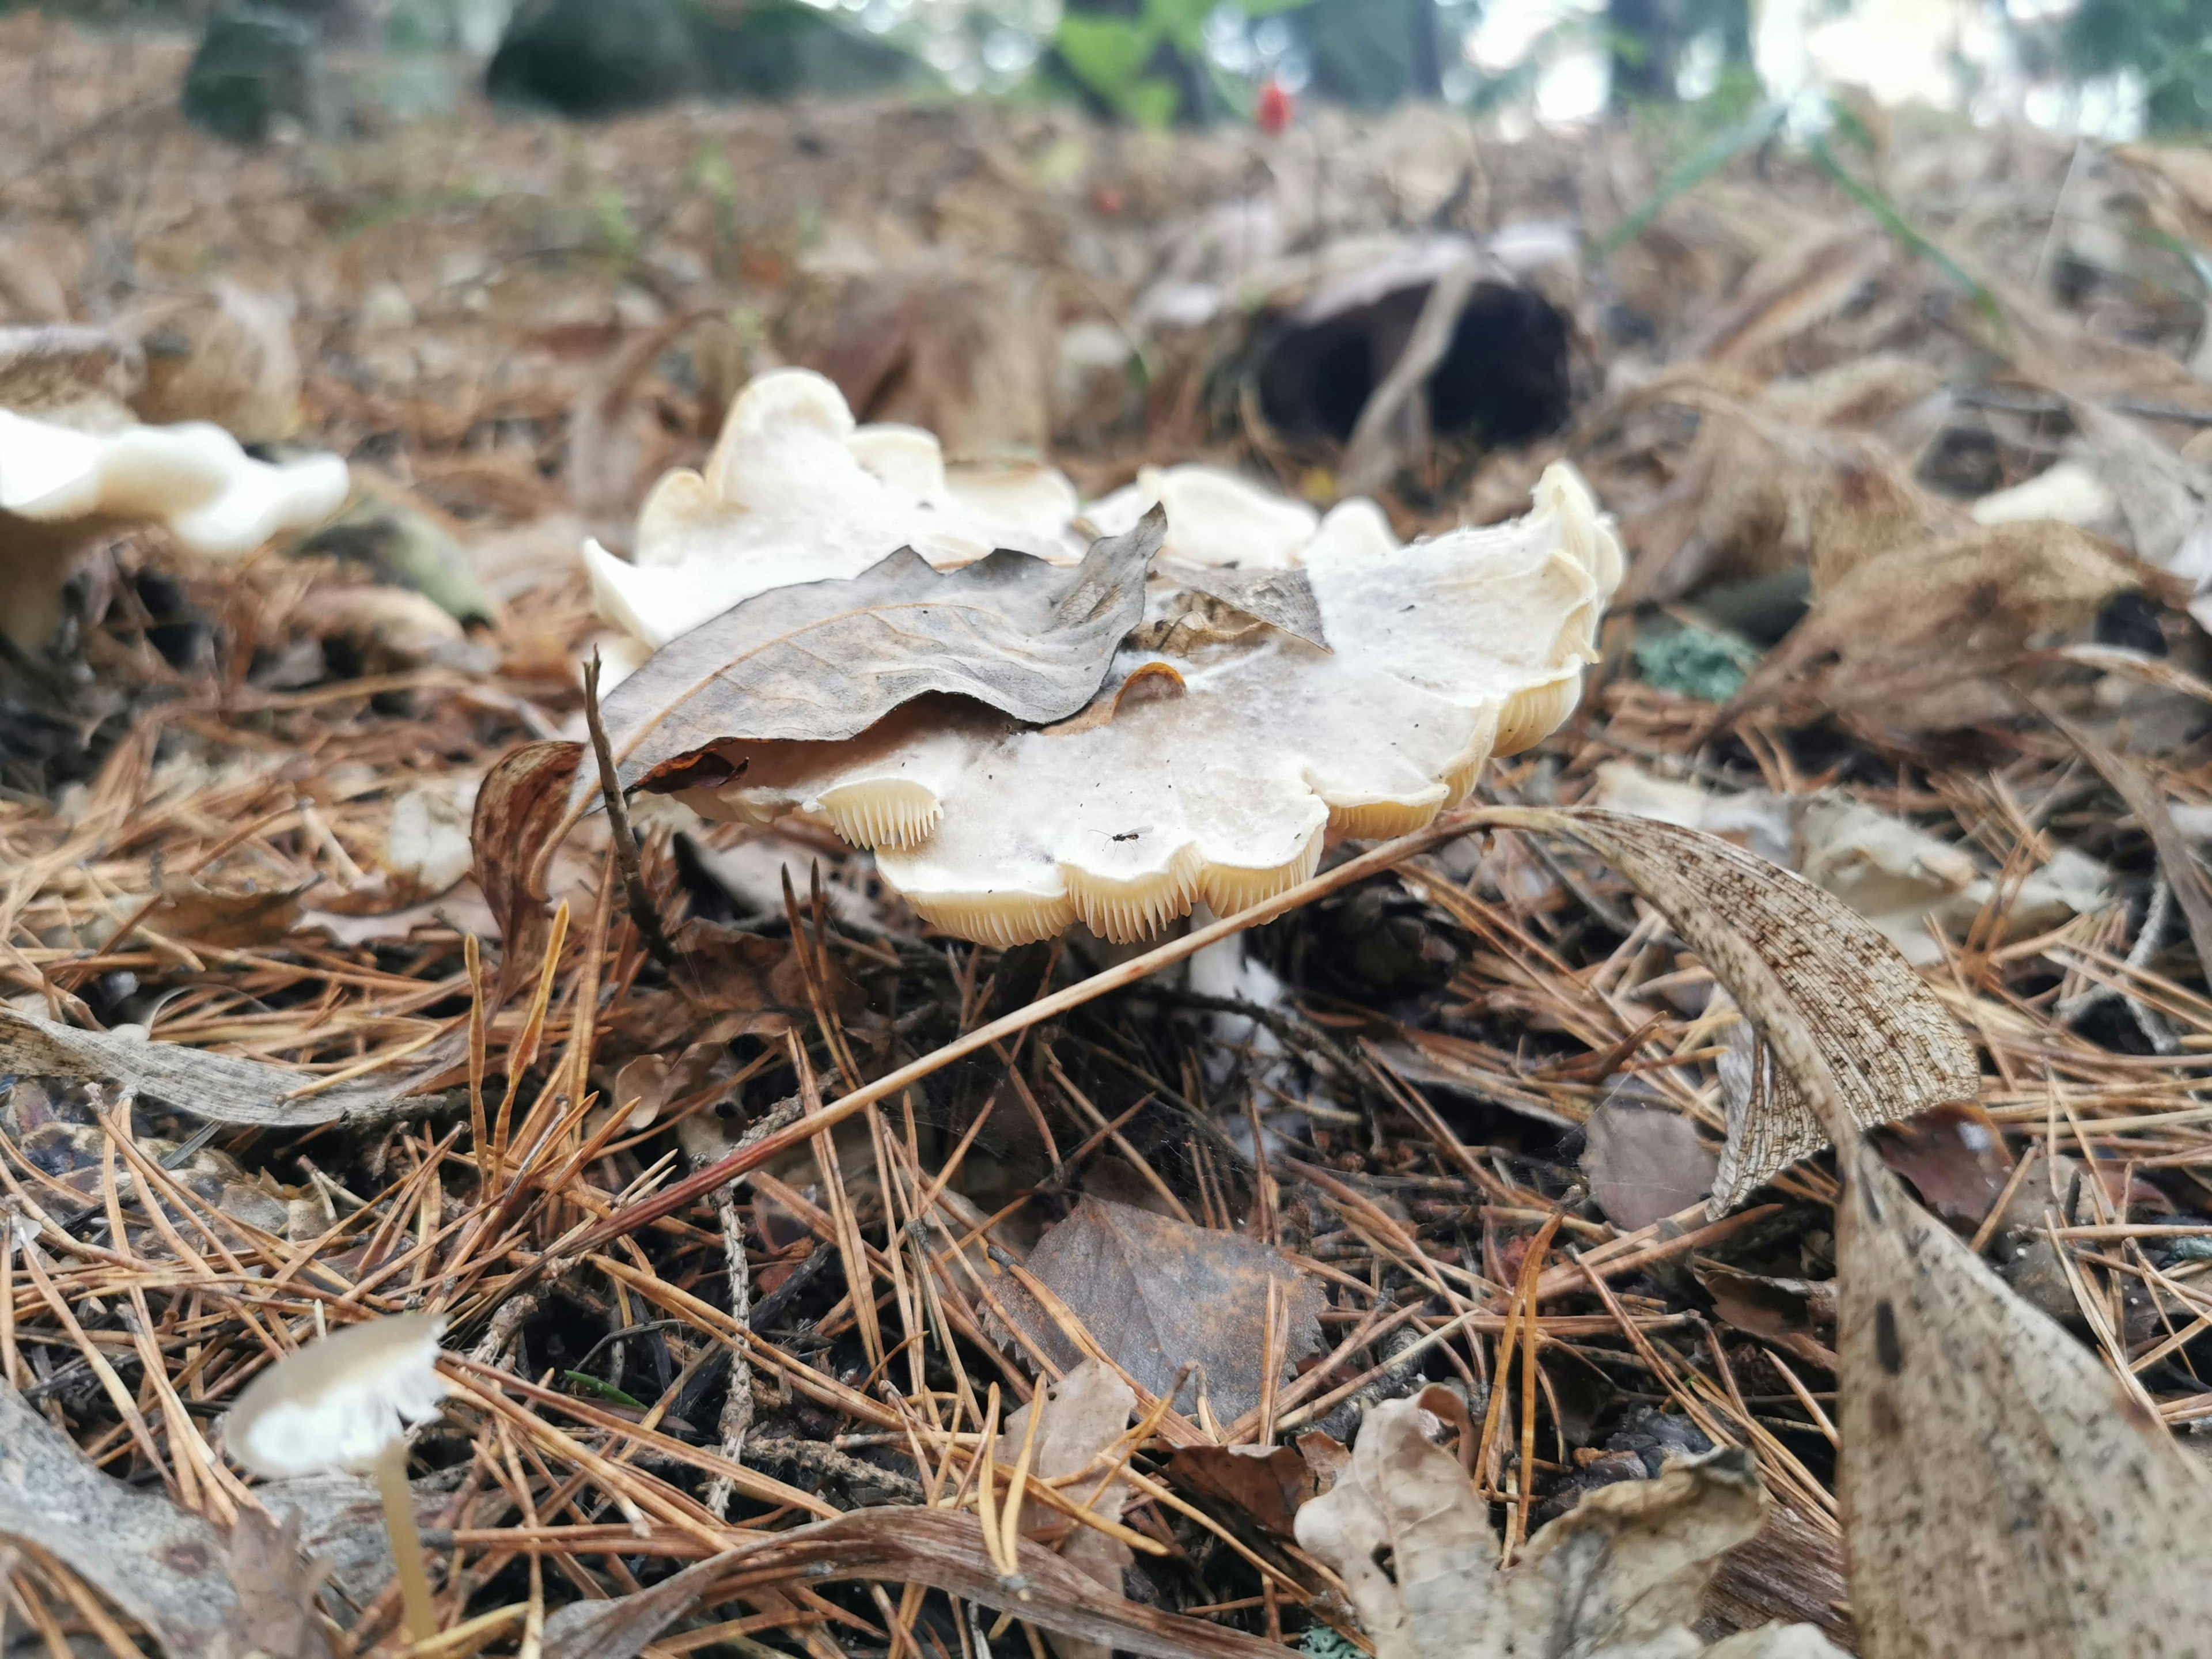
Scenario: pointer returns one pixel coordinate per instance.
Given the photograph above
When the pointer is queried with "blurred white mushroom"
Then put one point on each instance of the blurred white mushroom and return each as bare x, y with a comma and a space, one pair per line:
344, 1403
62, 488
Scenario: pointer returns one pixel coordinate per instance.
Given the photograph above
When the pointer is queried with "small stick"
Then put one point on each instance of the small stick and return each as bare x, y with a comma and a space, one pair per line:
641, 902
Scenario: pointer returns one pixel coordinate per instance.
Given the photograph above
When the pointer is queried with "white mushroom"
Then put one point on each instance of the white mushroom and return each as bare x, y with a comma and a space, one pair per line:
62, 487
344, 1403
1223, 752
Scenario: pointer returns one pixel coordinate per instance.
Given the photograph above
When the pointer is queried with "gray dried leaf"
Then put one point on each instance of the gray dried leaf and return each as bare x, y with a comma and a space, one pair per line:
1085, 1413
619, 1627
1876, 1029
2001, 1494
1157, 1294
1620, 1575
1281, 599
277, 1588
818, 662
221, 1088
1643, 1163
160, 1564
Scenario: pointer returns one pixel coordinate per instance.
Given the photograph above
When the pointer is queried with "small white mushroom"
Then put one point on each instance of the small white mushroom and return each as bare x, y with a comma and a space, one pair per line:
62, 488
344, 1403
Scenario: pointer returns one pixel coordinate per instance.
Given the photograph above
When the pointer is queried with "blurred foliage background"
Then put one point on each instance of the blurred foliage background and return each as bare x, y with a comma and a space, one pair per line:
2115, 68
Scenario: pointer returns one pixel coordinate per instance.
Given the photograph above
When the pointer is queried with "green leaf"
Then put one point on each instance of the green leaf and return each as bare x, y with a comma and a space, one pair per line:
1107, 54
1151, 102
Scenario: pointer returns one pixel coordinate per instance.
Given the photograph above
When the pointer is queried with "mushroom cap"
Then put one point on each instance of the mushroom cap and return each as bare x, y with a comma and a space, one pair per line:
215, 498
1247, 750
339, 1402
796, 492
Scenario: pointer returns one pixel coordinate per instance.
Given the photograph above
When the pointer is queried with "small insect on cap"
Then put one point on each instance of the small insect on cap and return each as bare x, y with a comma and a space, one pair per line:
338, 1403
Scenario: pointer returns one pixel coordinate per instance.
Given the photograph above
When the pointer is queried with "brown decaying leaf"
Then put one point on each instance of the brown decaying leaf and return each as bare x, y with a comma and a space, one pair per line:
221, 1088
819, 662
521, 800
1157, 1294
1889, 1044
1268, 1483
1759, 491
1956, 1157
942, 1549
1908, 625
1782, 1310
1644, 1163
1618, 1577
620, 1625
160, 1564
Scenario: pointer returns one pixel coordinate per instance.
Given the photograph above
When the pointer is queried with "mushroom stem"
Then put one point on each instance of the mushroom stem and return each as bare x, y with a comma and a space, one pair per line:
406, 1541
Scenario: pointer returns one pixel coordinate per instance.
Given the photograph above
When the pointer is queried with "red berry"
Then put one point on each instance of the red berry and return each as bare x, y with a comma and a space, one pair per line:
1274, 108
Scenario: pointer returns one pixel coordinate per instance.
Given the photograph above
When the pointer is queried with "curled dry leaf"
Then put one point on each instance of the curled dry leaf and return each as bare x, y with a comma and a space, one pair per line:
278, 1614
619, 1626
160, 1564
1157, 1294
1907, 626
1758, 488
1890, 1046
521, 799
1618, 1577
1443, 653
818, 662
221, 1088
1268, 1483
227, 357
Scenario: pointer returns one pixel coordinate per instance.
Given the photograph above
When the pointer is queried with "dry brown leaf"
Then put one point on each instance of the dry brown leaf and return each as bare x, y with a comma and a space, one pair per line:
1916, 631
520, 800
966, 355
1956, 1157
1644, 1163
819, 662
1782, 1310
939, 1547
221, 1088
1618, 1577
277, 1588
1281, 599
160, 1564
1890, 1046
2191, 886
1268, 1483
1157, 1294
